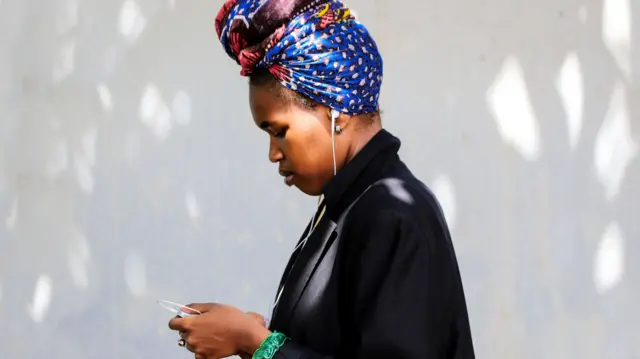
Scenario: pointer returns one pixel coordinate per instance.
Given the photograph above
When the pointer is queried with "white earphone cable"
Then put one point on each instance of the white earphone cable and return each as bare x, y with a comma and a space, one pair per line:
334, 117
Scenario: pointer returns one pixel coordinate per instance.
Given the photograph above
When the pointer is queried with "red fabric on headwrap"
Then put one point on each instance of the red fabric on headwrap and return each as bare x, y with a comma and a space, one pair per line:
223, 14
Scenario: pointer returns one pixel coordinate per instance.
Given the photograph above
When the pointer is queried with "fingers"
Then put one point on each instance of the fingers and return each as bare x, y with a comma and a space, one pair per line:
193, 348
176, 323
184, 342
180, 324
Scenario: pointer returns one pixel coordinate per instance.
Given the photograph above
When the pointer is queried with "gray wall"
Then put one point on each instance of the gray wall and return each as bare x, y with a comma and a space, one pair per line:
130, 170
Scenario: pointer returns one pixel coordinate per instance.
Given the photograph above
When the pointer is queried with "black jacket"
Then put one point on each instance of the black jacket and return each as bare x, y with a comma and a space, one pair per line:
377, 278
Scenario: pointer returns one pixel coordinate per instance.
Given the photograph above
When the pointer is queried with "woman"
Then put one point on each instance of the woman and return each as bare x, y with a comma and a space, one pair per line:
374, 275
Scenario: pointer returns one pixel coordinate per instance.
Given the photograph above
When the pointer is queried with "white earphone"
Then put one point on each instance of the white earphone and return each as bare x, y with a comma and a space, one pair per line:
334, 129
334, 116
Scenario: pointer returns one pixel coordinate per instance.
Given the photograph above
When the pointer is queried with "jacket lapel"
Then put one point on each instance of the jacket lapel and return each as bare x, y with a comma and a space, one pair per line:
296, 252
302, 271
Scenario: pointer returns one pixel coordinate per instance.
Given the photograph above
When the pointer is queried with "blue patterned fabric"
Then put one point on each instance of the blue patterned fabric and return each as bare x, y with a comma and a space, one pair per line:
314, 47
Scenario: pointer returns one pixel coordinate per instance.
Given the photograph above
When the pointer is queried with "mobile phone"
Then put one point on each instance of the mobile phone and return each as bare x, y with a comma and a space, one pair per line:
178, 309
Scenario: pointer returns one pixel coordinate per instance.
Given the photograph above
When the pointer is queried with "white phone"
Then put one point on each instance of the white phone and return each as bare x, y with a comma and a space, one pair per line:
178, 309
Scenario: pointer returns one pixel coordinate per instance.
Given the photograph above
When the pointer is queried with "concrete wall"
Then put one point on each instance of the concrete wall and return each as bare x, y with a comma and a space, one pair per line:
130, 170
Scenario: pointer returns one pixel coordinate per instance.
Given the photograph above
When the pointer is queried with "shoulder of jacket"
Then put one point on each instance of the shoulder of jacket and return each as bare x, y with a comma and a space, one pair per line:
408, 198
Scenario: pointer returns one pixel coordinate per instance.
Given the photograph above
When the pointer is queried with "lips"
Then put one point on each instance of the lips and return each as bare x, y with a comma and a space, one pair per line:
288, 177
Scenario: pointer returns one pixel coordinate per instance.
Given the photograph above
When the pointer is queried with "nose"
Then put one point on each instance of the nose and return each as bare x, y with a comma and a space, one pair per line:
275, 155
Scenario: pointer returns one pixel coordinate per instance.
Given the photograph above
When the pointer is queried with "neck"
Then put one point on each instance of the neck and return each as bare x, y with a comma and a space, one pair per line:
364, 136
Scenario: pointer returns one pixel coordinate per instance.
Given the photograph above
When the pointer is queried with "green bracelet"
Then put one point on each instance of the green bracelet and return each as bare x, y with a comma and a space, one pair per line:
270, 346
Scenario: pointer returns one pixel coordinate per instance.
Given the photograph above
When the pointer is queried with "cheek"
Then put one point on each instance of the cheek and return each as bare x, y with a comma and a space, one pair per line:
310, 147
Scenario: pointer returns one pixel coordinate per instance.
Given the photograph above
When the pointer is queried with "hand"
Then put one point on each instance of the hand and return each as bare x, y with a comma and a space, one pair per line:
259, 318
263, 323
220, 331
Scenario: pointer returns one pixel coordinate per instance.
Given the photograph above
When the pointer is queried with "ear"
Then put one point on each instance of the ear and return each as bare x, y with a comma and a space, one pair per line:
342, 119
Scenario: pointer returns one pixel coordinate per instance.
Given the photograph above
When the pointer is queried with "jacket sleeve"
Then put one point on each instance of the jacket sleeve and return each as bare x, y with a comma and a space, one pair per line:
399, 276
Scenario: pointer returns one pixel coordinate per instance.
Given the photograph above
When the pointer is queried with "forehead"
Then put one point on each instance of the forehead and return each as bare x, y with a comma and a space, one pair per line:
264, 95
267, 104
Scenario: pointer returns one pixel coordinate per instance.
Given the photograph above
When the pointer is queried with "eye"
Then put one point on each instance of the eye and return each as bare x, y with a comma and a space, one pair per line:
280, 134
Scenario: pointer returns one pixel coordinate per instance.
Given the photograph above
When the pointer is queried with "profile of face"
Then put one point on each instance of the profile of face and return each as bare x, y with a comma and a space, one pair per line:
299, 138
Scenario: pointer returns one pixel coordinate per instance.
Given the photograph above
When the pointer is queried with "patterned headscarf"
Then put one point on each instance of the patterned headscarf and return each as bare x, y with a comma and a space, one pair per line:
314, 47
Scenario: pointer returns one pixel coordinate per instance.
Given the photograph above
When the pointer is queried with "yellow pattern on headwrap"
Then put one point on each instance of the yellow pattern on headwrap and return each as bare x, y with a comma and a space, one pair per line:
323, 11
345, 15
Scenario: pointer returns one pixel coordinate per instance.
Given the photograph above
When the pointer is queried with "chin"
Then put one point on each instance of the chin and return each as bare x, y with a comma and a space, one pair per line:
309, 191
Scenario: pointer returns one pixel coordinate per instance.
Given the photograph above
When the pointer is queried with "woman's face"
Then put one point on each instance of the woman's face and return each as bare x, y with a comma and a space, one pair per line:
299, 139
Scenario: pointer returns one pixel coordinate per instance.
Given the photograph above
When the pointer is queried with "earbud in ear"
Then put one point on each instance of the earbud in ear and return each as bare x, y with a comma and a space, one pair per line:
334, 116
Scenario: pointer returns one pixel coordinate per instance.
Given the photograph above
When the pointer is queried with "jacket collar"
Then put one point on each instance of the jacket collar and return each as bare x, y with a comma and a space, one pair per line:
367, 166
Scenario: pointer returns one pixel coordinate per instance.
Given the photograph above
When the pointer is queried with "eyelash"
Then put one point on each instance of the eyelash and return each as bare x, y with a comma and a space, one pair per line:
280, 134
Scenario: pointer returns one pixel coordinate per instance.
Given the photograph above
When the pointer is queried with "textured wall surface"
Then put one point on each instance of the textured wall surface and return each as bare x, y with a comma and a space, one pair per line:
130, 170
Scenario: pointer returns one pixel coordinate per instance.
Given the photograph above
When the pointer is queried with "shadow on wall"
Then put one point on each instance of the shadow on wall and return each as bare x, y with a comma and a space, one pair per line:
130, 170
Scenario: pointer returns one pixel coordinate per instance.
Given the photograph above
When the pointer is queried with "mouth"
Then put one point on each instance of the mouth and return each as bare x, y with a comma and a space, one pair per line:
288, 177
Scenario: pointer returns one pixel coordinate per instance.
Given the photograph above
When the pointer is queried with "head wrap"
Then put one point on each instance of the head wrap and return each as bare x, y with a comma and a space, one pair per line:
314, 47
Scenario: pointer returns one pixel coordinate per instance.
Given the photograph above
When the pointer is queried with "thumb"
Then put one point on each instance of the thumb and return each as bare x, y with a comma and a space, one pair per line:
200, 307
